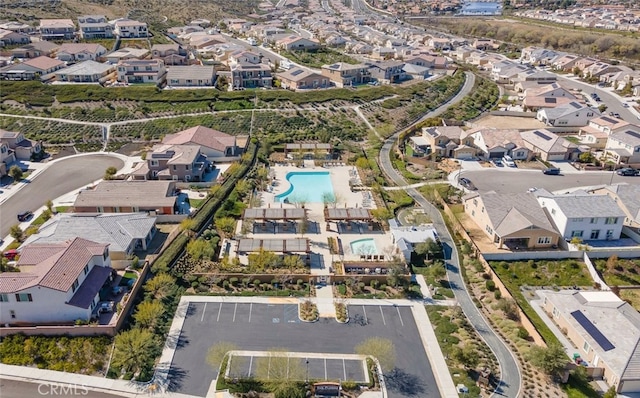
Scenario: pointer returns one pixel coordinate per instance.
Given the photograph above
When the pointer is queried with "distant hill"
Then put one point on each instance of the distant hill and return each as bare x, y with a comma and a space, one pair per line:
151, 11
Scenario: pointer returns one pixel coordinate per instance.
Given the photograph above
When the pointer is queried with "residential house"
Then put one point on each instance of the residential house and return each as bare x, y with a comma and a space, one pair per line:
11, 38
549, 146
57, 29
302, 79
35, 49
513, 221
605, 329
387, 72
573, 114
129, 28
77, 52
596, 133
406, 238
31, 69
23, 148
18, 27
345, 75
142, 71
495, 143
297, 43
623, 147
540, 76
191, 76
6, 59
382, 53
57, 283
627, 196
601, 68
439, 44
244, 57
565, 62
173, 162
7, 156
127, 53
170, 54
583, 216
123, 232
485, 44
87, 72
444, 141
416, 72
216, 145
118, 196
248, 75
583, 63
94, 27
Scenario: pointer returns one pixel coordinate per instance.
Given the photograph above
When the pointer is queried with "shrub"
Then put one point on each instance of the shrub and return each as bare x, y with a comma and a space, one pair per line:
491, 285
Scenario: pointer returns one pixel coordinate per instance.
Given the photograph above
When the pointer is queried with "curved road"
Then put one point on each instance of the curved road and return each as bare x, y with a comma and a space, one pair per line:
511, 379
59, 178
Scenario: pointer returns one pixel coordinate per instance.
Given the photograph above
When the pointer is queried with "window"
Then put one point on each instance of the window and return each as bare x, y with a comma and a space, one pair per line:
611, 220
86, 269
473, 212
553, 211
4, 298
105, 254
13, 314
483, 209
74, 286
609, 234
20, 297
544, 240
175, 167
187, 166
556, 313
586, 347
578, 220
593, 220
475, 202
576, 234
595, 234
154, 163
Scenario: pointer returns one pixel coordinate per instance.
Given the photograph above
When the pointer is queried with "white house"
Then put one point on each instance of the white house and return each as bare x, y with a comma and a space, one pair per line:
57, 283
141, 71
405, 238
584, 216
572, 114
76, 52
129, 28
624, 146
495, 143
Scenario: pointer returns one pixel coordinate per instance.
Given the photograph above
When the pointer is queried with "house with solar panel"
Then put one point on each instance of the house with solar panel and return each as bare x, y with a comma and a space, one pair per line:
623, 147
604, 330
57, 283
573, 114
549, 146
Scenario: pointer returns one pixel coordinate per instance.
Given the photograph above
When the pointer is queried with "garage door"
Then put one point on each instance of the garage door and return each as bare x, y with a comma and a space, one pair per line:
494, 155
630, 386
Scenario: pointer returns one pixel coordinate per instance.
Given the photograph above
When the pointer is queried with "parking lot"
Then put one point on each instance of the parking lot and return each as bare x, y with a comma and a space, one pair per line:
264, 327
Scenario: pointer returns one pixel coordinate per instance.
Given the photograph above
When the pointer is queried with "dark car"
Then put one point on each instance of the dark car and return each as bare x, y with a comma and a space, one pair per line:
24, 216
553, 171
465, 182
627, 171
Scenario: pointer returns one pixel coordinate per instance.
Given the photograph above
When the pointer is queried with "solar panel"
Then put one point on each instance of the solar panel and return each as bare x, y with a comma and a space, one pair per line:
633, 134
575, 105
334, 66
542, 135
549, 100
296, 72
593, 331
609, 120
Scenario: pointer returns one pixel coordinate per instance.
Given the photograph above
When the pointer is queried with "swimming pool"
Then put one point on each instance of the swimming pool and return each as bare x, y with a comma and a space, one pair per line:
308, 187
364, 246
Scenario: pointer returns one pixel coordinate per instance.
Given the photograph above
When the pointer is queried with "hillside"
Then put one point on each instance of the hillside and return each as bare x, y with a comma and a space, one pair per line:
151, 11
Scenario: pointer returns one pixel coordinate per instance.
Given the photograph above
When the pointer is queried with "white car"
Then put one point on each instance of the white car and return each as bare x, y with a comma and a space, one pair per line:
508, 161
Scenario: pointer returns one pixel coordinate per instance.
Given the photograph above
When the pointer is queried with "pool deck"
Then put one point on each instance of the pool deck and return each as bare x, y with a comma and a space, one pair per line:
322, 259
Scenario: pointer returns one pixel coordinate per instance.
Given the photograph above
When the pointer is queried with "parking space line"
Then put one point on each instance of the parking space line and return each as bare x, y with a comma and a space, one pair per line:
365, 315
203, 311
381, 313
398, 309
344, 369
234, 312
219, 309
250, 365
250, 309
325, 368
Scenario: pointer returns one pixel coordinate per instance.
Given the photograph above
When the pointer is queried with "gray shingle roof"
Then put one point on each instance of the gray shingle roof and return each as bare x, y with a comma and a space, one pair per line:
582, 206
510, 213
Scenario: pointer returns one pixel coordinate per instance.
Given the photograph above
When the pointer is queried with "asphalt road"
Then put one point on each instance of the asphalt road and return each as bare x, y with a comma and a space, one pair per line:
264, 327
613, 104
59, 178
21, 389
519, 181
510, 374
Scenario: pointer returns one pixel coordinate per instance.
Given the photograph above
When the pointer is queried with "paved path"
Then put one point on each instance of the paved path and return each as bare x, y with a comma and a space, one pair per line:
511, 379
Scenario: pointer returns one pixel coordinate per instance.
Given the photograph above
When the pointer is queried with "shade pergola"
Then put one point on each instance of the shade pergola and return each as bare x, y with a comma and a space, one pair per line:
348, 214
307, 146
274, 245
274, 214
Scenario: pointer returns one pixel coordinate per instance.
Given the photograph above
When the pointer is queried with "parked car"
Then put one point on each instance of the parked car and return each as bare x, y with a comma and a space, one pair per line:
627, 171
617, 115
625, 105
465, 182
554, 171
498, 163
105, 307
508, 160
24, 216
10, 254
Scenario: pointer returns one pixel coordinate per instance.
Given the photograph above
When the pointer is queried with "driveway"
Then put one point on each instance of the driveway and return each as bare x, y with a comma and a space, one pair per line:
59, 178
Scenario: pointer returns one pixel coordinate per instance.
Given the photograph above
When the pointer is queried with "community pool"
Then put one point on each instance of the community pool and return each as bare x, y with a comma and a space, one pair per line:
308, 187
364, 246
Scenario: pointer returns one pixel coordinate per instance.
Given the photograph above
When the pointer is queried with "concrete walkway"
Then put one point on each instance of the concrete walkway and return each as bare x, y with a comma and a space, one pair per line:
568, 346
324, 301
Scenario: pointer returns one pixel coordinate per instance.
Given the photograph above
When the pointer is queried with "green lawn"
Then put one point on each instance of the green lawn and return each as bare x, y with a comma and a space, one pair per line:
444, 291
